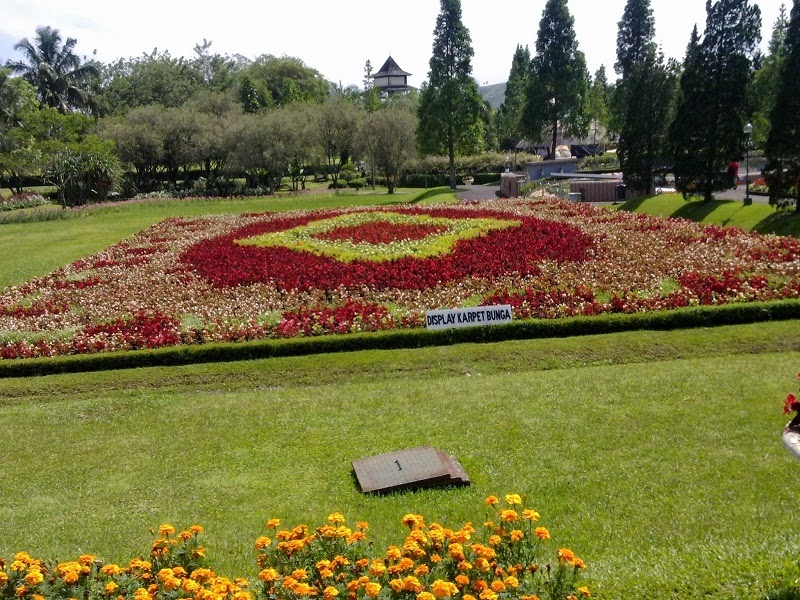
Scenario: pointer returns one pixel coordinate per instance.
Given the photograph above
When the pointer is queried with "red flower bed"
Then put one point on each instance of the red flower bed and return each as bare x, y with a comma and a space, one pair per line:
514, 250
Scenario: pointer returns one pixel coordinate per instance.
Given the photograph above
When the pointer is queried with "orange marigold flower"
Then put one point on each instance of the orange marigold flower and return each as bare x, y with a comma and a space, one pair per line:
166, 529
508, 515
262, 542
141, 594
492, 500
71, 577
330, 593
173, 583
578, 563
498, 586
425, 596
35, 578
511, 581
435, 558
542, 533
111, 587
86, 559
336, 518
443, 589
464, 565
299, 574
516, 535
393, 553
456, 551
530, 515
412, 584
565, 554
377, 568
405, 564
3, 577
372, 589
468, 597
482, 564
362, 525
304, 589
531, 597
410, 521
362, 563
480, 585
185, 535
584, 591
273, 523
267, 575
396, 585
196, 529
462, 580
488, 594
421, 570
513, 499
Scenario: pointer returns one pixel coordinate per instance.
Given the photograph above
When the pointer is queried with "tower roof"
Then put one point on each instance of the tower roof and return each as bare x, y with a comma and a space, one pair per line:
390, 67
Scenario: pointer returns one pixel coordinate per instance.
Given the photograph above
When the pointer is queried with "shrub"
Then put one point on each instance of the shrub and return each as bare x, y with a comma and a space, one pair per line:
23, 200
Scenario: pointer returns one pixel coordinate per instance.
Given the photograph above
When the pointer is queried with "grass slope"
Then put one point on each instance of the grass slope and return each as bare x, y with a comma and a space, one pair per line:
758, 217
668, 477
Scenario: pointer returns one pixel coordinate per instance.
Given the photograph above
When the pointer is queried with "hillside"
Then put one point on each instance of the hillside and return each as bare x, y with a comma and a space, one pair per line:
494, 94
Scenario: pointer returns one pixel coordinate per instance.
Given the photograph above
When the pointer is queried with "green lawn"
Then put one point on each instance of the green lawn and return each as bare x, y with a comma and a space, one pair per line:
656, 456
756, 217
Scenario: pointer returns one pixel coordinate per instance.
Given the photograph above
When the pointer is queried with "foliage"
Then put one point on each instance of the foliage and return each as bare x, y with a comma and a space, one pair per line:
62, 80
509, 115
24, 200
597, 105
783, 145
707, 132
644, 97
83, 172
767, 80
335, 124
558, 82
271, 81
450, 105
388, 138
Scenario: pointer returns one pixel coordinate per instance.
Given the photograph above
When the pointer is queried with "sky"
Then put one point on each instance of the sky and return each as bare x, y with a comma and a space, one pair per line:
337, 38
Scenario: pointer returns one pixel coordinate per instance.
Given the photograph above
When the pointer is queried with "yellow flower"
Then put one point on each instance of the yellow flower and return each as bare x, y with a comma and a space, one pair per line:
262, 542
35, 578
173, 583
273, 523
495, 540
498, 586
513, 499
565, 554
303, 589
421, 570
166, 530
267, 575
462, 580
362, 525
584, 591
492, 500
464, 566
336, 518
531, 597
511, 581
488, 594
396, 585
542, 533
141, 594
516, 535
393, 553
482, 564
110, 570
86, 559
530, 515
372, 589
425, 596
468, 597
578, 563
195, 529
377, 568
3, 577
412, 584
71, 577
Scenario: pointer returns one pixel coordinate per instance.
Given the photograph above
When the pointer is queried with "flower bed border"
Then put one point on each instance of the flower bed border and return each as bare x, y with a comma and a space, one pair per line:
684, 318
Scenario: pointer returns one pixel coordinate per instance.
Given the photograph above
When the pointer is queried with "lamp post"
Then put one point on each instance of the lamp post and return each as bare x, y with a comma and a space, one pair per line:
748, 129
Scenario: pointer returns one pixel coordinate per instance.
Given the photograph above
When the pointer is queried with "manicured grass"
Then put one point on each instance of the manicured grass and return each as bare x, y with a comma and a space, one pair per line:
34, 249
725, 213
667, 477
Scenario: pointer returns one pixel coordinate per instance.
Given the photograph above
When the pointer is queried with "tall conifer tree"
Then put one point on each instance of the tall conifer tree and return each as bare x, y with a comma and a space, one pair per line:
644, 96
783, 144
713, 106
450, 105
559, 80
509, 115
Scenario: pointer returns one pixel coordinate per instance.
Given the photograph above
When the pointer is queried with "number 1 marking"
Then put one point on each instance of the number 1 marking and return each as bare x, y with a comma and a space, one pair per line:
399, 468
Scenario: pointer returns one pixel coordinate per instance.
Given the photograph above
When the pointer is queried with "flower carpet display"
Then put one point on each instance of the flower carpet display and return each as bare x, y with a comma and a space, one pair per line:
503, 559
302, 273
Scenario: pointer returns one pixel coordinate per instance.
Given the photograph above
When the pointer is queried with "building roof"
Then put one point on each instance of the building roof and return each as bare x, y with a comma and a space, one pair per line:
390, 67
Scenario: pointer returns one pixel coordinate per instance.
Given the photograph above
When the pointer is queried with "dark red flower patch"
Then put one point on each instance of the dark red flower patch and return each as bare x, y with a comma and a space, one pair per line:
37, 308
351, 316
379, 233
514, 250
142, 330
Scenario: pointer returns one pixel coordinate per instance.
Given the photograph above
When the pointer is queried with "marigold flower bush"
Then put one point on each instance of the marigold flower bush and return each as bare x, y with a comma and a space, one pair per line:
503, 559
250, 276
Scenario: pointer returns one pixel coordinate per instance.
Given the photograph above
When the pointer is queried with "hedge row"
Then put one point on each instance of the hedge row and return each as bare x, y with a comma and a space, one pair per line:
704, 316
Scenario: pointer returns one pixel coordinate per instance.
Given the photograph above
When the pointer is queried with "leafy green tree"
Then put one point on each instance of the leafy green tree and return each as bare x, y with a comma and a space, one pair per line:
388, 138
62, 79
214, 112
559, 80
19, 154
644, 97
371, 98
450, 107
783, 144
155, 78
509, 115
336, 123
271, 81
767, 79
597, 109
258, 146
707, 133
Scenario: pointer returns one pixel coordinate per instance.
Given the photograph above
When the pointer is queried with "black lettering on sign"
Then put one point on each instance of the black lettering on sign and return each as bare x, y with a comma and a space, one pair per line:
399, 468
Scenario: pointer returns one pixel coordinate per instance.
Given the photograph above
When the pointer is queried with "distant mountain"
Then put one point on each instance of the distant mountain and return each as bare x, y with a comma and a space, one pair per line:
493, 94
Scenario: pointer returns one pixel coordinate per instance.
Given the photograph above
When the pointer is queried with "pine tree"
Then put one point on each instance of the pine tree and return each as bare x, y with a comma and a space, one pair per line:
643, 97
450, 105
767, 79
783, 144
509, 115
559, 80
713, 105
597, 109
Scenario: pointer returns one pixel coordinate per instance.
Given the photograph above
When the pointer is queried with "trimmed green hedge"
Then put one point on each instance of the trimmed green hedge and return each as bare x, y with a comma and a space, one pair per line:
703, 316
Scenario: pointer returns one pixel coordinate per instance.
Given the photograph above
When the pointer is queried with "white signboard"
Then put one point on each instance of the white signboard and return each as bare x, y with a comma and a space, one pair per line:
468, 317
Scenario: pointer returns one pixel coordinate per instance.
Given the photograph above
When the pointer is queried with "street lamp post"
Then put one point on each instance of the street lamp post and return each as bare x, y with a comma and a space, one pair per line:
748, 129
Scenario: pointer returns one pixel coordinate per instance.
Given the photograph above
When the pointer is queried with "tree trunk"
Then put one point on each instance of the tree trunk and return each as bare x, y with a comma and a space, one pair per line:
555, 139
452, 155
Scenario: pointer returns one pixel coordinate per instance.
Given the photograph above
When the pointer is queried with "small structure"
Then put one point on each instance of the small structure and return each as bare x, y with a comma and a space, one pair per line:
409, 469
391, 79
547, 168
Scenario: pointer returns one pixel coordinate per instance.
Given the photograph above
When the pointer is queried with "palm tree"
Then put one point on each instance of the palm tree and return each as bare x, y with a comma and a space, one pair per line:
61, 79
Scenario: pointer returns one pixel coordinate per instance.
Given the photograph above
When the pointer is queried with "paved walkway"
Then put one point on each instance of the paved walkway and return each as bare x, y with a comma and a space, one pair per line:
478, 192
